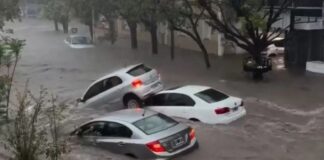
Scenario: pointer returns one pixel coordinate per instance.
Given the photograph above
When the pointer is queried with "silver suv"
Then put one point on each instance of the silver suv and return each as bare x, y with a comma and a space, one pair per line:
127, 86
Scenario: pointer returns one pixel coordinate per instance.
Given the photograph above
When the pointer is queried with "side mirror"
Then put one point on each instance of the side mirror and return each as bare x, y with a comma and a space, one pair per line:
77, 132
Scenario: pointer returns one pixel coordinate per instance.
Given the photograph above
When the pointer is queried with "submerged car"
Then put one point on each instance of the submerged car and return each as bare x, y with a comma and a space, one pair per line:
127, 86
197, 103
138, 133
79, 41
275, 49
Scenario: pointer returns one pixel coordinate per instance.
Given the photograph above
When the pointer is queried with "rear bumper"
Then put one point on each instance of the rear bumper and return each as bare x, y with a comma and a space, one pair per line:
165, 156
226, 119
234, 117
148, 90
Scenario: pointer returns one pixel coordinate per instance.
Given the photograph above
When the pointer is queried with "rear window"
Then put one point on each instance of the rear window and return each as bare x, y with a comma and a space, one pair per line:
139, 70
155, 124
211, 96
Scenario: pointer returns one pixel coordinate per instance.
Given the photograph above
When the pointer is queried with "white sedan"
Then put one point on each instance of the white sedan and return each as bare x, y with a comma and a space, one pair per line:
197, 103
79, 42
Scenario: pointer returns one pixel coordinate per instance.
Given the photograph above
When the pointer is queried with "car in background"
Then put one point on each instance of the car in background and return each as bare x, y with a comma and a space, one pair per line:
79, 41
127, 86
138, 133
275, 49
197, 103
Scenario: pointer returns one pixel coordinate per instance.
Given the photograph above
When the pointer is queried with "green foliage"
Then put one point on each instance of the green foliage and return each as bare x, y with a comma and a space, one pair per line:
57, 145
9, 10
10, 50
130, 9
24, 140
57, 9
28, 137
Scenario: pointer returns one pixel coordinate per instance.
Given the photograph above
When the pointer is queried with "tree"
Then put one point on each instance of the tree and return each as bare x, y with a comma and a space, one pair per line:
150, 17
256, 17
84, 10
130, 11
9, 10
184, 16
59, 11
10, 50
109, 9
27, 137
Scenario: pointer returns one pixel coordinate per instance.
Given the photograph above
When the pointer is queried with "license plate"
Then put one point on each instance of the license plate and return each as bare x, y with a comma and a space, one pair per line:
178, 142
235, 109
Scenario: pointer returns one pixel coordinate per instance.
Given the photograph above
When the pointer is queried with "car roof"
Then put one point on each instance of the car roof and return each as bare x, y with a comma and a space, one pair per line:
118, 72
127, 115
188, 89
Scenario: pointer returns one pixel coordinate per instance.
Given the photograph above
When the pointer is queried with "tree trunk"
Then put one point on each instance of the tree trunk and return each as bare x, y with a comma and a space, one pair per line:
153, 30
91, 31
112, 31
202, 47
204, 50
65, 25
172, 43
56, 25
133, 33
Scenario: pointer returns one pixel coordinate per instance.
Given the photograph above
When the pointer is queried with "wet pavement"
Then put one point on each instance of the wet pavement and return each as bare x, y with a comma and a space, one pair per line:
285, 112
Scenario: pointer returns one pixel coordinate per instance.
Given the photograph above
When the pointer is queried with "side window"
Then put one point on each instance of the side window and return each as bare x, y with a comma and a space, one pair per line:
112, 129
157, 100
111, 82
179, 100
94, 90
93, 129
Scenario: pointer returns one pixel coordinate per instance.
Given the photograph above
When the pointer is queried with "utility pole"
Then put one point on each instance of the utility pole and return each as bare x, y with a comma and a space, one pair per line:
93, 23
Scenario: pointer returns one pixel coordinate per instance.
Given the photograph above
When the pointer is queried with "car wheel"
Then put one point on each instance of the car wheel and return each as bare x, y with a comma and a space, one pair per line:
133, 102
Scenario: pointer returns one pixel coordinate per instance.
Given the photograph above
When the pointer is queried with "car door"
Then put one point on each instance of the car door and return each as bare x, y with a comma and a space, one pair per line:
157, 102
113, 90
179, 105
115, 137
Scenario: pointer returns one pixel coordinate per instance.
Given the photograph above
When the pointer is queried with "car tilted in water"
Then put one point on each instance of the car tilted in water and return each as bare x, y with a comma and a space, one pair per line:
79, 41
198, 103
138, 133
127, 86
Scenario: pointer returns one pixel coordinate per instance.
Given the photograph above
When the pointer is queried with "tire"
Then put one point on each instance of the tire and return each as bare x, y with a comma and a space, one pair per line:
132, 102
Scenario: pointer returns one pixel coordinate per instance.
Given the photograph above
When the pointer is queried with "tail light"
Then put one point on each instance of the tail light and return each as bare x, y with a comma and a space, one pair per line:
155, 147
222, 110
242, 103
192, 134
137, 83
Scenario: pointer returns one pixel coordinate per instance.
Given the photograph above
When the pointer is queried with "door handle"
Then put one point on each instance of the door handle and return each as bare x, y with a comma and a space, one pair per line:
121, 144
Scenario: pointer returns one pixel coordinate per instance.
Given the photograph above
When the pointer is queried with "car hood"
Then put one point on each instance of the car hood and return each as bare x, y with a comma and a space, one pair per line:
81, 46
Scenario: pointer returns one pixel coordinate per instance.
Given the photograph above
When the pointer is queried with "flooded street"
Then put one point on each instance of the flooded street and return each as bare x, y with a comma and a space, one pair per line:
285, 112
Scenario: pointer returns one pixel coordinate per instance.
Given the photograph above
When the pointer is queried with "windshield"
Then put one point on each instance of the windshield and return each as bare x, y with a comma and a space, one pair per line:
211, 96
155, 124
80, 40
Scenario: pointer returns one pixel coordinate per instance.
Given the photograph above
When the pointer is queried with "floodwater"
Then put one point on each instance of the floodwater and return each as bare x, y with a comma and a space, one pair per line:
284, 118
